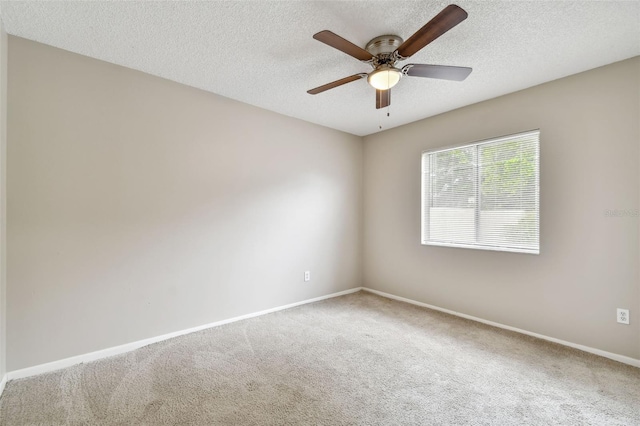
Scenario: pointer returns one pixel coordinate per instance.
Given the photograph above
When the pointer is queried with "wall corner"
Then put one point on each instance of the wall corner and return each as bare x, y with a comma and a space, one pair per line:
3, 199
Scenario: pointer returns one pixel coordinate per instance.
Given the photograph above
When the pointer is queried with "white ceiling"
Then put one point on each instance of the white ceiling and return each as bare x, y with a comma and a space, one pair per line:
263, 53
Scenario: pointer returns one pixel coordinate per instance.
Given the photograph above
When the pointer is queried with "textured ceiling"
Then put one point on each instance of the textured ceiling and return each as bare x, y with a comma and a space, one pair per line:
263, 53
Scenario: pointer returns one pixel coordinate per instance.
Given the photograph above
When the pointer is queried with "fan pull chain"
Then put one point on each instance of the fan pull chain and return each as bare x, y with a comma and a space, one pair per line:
388, 115
389, 94
389, 103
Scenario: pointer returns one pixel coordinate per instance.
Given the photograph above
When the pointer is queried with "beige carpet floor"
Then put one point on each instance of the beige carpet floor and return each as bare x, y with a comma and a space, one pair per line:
354, 360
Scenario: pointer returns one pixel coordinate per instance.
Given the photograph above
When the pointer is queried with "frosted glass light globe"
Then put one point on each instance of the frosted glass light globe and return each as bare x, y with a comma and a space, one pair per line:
384, 78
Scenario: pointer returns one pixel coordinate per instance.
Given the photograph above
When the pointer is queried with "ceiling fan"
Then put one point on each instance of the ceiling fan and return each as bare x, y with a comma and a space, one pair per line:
384, 52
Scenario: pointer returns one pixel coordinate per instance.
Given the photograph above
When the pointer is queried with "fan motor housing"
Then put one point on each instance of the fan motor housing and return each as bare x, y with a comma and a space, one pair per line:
384, 44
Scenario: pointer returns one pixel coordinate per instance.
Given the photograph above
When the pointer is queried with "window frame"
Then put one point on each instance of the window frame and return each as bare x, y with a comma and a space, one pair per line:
423, 197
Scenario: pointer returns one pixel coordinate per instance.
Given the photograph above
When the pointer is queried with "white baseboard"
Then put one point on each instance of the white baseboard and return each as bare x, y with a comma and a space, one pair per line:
616, 357
116, 350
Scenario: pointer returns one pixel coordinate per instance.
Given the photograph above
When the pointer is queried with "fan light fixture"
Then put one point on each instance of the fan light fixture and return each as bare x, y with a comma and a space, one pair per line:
384, 78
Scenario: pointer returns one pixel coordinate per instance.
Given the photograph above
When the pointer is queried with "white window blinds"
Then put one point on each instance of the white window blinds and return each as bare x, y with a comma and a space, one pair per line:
484, 195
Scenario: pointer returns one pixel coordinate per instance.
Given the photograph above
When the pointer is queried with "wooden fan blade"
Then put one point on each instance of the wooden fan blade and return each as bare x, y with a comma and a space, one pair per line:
383, 98
335, 84
443, 72
337, 42
450, 16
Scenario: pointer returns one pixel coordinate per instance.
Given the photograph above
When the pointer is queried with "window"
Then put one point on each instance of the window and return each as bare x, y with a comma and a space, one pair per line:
484, 195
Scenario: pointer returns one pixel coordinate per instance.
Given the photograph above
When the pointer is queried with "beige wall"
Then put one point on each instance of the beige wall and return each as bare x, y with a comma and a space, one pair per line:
588, 264
3, 194
138, 206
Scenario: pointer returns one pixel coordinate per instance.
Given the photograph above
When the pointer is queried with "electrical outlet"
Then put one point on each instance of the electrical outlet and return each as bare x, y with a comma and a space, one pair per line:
307, 275
623, 316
